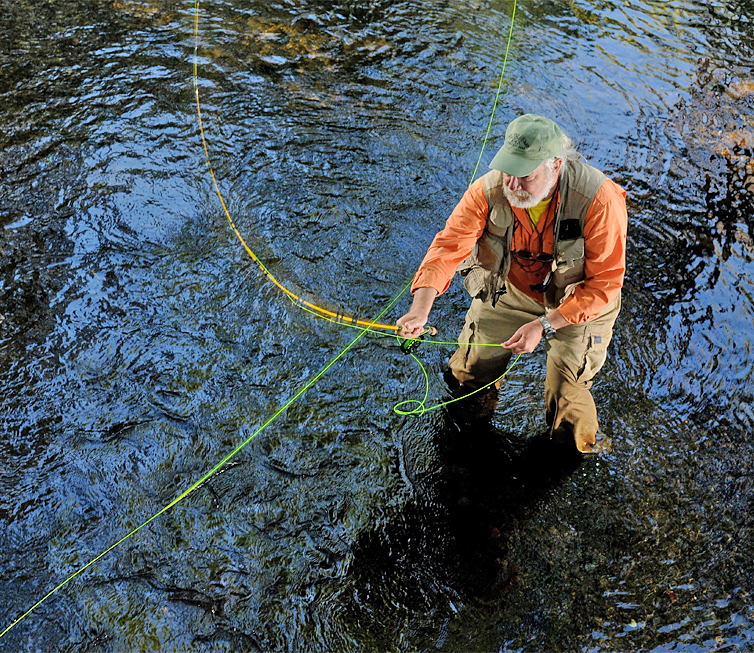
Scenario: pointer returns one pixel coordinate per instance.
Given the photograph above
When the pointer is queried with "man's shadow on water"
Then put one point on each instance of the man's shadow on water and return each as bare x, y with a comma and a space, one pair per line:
474, 485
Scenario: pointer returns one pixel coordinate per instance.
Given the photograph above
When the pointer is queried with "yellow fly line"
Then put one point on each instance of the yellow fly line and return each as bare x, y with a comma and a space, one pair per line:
339, 317
364, 327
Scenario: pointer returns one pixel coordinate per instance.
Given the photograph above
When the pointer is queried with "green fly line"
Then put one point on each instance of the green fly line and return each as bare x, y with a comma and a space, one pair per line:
216, 468
363, 327
420, 408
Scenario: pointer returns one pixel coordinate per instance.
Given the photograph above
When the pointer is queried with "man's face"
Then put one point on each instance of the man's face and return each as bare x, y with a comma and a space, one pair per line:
527, 192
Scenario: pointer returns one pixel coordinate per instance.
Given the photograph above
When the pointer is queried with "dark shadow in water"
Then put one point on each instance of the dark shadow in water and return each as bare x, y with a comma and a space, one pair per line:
474, 486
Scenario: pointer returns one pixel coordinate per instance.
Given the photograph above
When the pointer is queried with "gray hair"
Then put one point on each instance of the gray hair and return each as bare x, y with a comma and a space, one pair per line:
569, 153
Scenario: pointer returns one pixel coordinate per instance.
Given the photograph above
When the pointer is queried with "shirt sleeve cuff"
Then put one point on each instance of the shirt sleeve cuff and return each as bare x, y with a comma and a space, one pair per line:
425, 279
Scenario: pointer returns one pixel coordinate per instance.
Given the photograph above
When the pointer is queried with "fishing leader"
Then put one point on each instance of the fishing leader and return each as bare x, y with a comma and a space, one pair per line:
540, 241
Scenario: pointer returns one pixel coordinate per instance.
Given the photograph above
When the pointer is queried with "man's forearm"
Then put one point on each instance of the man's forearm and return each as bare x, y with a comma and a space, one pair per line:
556, 319
424, 298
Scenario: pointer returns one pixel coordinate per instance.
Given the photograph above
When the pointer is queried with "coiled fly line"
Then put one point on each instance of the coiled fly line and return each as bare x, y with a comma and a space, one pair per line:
363, 327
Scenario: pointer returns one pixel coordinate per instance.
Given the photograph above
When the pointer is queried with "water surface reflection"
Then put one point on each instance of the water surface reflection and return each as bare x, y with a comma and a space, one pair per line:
138, 345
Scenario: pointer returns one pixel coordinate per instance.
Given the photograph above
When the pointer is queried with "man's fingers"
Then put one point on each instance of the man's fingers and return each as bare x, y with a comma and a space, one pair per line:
511, 341
408, 331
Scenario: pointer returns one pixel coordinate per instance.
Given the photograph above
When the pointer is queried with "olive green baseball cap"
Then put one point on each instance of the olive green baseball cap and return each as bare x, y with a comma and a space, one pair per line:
529, 140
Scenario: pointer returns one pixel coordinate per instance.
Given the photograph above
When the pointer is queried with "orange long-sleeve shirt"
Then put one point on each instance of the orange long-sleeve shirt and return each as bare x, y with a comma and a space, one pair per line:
605, 226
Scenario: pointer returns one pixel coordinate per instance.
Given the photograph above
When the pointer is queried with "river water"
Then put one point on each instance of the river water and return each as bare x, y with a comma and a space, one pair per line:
139, 344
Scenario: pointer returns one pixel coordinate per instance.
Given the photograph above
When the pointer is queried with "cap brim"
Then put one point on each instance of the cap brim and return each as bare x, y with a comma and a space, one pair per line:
515, 166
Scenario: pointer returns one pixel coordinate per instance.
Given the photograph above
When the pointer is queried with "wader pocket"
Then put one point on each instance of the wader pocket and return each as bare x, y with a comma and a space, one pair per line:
594, 357
459, 361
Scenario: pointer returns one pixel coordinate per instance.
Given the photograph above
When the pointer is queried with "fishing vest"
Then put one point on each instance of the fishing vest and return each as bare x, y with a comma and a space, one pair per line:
485, 270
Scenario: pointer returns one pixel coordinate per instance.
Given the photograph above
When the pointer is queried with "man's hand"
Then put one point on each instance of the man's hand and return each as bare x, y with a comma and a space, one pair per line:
412, 323
526, 339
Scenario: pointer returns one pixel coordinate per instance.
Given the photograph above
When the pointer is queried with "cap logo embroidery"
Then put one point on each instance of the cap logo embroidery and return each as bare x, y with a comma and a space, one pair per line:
519, 142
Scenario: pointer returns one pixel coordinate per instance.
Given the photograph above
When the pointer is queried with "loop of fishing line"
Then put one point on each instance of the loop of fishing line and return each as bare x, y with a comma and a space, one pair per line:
364, 327
420, 407
408, 346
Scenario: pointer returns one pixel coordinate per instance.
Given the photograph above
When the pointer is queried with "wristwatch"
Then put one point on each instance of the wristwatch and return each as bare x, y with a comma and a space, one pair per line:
549, 331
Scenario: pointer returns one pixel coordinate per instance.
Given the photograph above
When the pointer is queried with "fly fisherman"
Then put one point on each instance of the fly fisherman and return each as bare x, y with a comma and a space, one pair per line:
540, 241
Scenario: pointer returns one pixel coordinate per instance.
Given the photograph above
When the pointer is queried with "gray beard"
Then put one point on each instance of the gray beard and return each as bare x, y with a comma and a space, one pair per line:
530, 201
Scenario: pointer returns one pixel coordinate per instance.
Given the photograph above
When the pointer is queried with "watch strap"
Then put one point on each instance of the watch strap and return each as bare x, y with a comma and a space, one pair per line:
549, 332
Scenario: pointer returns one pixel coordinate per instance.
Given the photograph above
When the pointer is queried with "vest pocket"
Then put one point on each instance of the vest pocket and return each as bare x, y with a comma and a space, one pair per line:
482, 271
568, 267
474, 280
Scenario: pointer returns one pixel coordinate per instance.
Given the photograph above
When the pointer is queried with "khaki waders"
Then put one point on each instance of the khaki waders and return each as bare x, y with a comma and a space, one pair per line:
574, 356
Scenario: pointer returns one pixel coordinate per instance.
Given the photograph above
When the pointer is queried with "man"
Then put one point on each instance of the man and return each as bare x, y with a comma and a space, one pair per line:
541, 243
